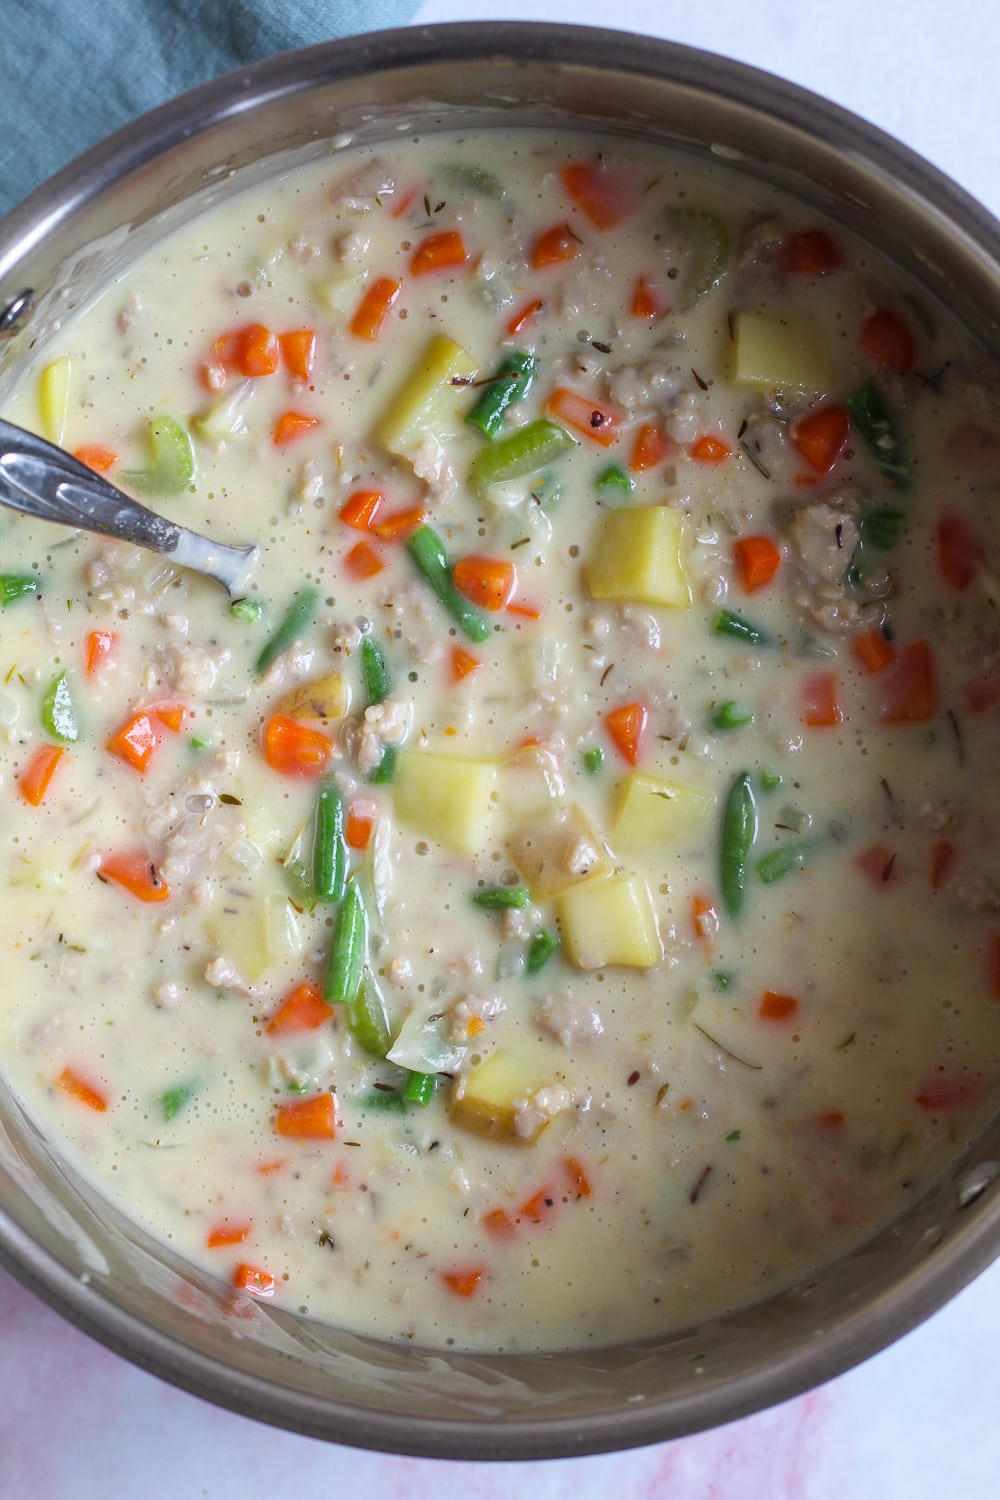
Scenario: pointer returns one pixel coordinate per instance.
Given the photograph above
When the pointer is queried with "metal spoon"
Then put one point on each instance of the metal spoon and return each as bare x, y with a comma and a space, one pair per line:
41, 480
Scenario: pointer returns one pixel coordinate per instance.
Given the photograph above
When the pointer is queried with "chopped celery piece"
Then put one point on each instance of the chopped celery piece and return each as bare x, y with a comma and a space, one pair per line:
386, 1101
730, 715
428, 553
474, 180
172, 1101
707, 244
522, 452
614, 478
420, 1088
247, 610
172, 469
875, 425
16, 586
502, 897
510, 382
53, 398
543, 946
740, 628
368, 1019
297, 618
58, 711
770, 781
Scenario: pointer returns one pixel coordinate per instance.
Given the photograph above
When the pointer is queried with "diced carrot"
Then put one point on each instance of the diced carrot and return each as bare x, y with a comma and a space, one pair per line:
757, 560
812, 253
877, 863
34, 780
252, 351
705, 920
312, 1119
476, 1026
819, 437
958, 550
524, 316
170, 715
993, 956
464, 1283
226, 1234
555, 246
593, 418
295, 749
650, 446
709, 449
358, 829
982, 694
831, 1120
374, 307
947, 1091
73, 1083
272, 1165
254, 1279
98, 645
820, 706
292, 425
136, 741
523, 610
298, 350
97, 457
302, 1009
606, 196
776, 1007
489, 582
360, 509
441, 251
406, 198
462, 663
362, 562
647, 301
576, 1177
135, 872
873, 651
626, 725
538, 1207
941, 862
888, 340
975, 447
499, 1223
908, 687
398, 524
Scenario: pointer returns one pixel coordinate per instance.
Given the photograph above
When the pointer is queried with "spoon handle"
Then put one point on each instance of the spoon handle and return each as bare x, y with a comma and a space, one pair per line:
41, 480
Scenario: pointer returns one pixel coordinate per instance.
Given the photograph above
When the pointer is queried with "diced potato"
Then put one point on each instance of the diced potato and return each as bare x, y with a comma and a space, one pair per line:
636, 555
239, 931
427, 402
53, 397
227, 417
606, 922
317, 700
282, 932
341, 294
786, 349
557, 849
655, 814
490, 1091
446, 797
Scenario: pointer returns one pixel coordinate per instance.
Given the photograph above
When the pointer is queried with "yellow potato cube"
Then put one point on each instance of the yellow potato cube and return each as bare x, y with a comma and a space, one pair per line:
783, 348
53, 398
605, 922
428, 402
239, 932
657, 814
487, 1099
557, 849
446, 797
636, 555
318, 700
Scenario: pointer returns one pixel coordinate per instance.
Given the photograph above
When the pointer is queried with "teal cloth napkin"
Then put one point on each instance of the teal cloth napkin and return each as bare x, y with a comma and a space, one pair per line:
74, 70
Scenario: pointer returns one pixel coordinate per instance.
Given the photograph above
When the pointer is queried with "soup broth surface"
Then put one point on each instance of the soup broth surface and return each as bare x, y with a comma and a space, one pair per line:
559, 901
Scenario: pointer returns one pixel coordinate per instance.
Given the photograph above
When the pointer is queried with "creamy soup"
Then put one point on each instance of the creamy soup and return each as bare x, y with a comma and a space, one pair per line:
559, 901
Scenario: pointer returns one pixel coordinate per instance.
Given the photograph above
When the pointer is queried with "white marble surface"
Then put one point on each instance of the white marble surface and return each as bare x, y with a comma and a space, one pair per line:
914, 1423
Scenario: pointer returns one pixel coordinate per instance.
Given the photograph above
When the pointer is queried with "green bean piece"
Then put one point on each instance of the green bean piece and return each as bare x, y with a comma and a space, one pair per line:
58, 711
431, 559
348, 949
368, 1018
384, 1101
172, 469
420, 1088
502, 897
781, 862
730, 715
881, 529
247, 610
16, 586
593, 760
525, 451
510, 382
297, 618
707, 244
740, 628
172, 1101
385, 771
739, 829
614, 478
374, 670
877, 430
542, 947
329, 846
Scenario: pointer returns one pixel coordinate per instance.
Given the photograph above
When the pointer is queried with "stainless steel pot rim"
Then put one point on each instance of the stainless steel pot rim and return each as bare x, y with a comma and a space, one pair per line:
948, 1266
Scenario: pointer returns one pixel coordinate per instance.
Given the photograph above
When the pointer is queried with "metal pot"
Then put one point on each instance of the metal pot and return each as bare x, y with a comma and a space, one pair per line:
77, 1251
